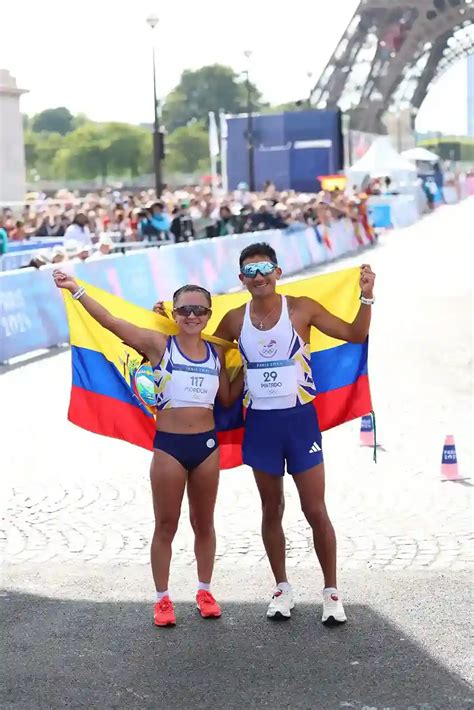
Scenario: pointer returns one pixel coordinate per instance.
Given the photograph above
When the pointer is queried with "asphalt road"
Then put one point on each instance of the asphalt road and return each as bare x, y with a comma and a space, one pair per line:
90, 642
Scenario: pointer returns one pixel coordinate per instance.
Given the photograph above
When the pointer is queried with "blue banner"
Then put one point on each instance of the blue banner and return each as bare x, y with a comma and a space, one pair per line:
32, 313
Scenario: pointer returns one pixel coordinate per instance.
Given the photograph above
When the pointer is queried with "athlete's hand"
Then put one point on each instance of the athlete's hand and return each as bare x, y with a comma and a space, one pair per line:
367, 280
159, 308
63, 280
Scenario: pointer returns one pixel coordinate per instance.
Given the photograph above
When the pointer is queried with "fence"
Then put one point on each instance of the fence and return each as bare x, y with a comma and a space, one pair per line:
20, 254
32, 313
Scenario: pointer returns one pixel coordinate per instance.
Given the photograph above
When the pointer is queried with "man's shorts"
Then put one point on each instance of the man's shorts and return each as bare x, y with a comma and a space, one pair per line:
277, 436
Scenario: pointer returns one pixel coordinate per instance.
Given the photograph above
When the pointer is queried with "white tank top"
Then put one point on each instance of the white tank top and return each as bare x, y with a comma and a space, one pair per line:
277, 364
180, 382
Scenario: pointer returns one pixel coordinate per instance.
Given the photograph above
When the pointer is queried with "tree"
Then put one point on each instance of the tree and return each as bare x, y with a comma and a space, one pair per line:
31, 156
53, 120
187, 149
102, 149
40, 152
207, 89
299, 105
79, 120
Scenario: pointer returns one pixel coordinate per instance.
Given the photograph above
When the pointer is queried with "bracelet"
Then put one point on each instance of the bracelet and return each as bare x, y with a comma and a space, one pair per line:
366, 301
78, 294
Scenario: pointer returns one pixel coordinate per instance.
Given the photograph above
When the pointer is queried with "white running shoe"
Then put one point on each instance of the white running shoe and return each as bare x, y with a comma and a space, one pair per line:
333, 611
281, 604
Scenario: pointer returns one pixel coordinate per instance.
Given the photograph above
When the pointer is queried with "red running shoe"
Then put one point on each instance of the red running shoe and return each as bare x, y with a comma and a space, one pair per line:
207, 605
164, 613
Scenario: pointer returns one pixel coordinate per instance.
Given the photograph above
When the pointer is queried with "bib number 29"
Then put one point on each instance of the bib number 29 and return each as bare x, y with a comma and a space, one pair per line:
270, 376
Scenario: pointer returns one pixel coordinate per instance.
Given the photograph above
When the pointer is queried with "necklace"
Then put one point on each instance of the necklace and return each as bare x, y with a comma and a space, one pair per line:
262, 320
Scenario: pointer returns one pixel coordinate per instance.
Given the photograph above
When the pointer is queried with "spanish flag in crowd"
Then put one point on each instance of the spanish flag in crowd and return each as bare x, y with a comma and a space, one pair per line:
104, 394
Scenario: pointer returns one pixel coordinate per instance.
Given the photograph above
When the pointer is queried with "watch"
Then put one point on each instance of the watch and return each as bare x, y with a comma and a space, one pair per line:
366, 301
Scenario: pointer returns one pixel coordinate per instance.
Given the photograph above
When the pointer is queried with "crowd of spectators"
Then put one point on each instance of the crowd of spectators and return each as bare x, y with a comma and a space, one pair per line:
93, 225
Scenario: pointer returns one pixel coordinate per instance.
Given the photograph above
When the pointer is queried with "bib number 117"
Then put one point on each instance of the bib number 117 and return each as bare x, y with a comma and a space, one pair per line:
270, 376
196, 381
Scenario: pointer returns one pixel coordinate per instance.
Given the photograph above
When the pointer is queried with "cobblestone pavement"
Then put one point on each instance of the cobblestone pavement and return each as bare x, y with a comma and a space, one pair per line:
69, 495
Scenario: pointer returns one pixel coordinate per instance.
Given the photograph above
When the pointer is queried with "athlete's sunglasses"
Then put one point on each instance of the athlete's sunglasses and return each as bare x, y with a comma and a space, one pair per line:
265, 268
197, 310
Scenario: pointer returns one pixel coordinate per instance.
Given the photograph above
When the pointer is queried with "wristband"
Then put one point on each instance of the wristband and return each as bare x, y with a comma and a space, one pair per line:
78, 294
366, 301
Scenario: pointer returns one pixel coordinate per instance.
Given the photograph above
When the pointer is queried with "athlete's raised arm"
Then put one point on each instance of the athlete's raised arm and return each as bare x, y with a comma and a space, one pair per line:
144, 340
326, 322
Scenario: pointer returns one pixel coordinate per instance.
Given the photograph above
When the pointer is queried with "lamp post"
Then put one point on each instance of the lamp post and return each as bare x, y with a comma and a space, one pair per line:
250, 146
152, 22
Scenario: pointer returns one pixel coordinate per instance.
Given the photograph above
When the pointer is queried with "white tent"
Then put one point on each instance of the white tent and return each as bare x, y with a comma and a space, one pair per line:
381, 160
420, 154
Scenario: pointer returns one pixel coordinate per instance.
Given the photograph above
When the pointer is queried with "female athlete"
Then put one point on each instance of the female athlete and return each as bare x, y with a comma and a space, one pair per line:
189, 374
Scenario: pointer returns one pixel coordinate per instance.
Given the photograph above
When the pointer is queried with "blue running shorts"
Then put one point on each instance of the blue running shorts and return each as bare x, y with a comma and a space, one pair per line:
190, 450
277, 436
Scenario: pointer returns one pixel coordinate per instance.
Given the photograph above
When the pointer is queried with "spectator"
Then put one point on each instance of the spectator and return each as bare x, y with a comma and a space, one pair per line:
106, 245
78, 230
18, 232
58, 255
3, 238
227, 224
182, 224
36, 262
204, 221
72, 249
52, 226
84, 252
263, 219
155, 224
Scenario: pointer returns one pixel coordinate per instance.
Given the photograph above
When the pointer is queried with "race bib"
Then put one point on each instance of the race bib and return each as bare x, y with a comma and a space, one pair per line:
194, 384
272, 379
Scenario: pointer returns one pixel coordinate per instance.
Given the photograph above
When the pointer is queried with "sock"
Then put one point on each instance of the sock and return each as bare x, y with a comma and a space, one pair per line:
330, 590
284, 586
204, 586
160, 595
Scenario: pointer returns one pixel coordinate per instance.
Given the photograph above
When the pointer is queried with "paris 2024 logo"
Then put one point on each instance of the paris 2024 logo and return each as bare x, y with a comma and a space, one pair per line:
267, 349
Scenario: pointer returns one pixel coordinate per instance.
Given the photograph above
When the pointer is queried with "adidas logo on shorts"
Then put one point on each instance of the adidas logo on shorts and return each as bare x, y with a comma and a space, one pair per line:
314, 449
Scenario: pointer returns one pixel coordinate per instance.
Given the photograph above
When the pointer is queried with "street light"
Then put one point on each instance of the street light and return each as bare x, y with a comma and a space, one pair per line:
152, 22
250, 146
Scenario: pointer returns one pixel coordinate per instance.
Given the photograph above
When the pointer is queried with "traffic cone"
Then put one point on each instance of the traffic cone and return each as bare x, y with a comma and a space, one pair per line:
449, 461
367, 431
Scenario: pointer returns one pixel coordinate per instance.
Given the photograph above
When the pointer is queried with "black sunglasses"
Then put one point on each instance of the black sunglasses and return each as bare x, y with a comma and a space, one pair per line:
197, 310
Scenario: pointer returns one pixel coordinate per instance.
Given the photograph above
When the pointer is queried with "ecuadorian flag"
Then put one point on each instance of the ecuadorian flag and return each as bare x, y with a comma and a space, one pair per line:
102, 395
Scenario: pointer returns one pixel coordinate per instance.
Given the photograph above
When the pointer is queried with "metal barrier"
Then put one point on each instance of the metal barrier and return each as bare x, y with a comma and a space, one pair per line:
21, 254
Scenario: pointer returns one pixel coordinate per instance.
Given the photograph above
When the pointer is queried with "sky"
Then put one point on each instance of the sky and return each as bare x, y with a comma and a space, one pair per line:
94, 56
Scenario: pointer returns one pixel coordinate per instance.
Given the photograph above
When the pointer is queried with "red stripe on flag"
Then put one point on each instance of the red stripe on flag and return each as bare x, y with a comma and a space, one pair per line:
230, 444
111, 417
343, 404
108, 416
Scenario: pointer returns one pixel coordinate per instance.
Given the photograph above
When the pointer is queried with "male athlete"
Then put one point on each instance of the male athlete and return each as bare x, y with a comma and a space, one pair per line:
281, 426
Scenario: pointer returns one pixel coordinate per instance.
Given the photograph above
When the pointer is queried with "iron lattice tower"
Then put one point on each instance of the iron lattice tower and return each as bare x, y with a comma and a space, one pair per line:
390, 54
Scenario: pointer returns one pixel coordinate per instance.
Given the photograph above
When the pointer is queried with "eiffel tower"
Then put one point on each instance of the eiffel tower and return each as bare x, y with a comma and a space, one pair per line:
390, 54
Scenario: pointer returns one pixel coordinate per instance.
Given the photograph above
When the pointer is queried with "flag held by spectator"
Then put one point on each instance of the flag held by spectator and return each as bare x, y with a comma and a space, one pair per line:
104, 396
